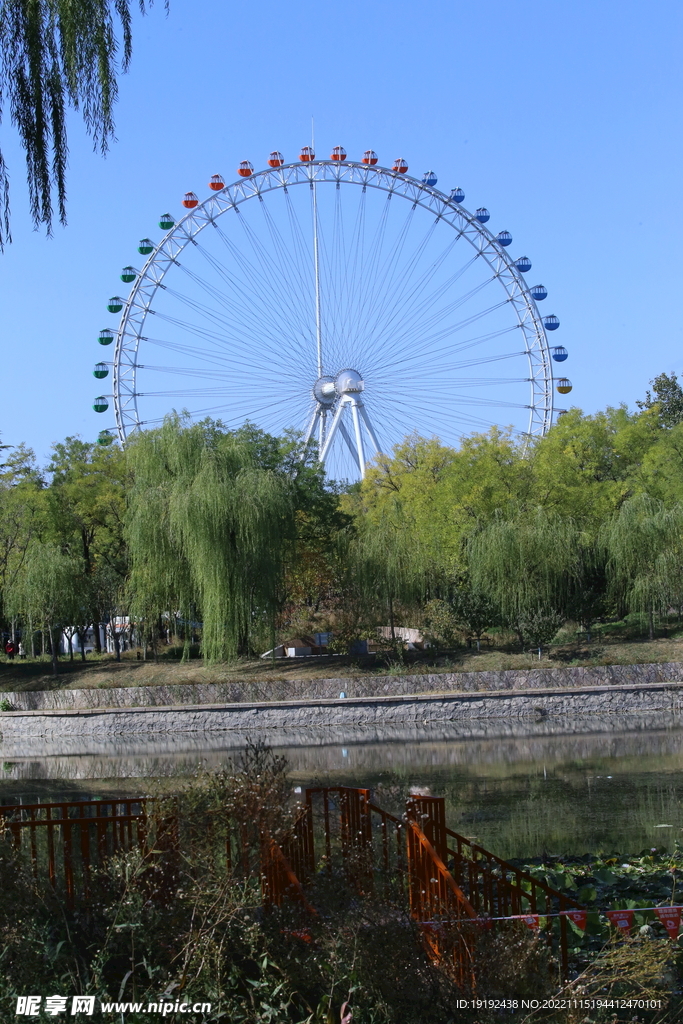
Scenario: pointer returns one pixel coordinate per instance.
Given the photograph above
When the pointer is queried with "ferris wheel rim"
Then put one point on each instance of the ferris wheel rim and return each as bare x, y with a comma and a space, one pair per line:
165, 255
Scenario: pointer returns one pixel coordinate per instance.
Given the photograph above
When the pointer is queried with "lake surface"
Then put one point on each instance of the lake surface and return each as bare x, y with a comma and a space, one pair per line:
522, 787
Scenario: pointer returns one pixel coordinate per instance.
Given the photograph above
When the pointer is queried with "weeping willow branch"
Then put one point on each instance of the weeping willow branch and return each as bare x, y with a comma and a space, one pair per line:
209, 529
391, 562
526, 564
644, 544
56, 54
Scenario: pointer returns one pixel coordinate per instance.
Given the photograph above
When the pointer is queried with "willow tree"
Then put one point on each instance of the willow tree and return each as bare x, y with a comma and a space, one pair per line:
644, 547
390, 562
208, 528
527, 566
56, 55
47, 592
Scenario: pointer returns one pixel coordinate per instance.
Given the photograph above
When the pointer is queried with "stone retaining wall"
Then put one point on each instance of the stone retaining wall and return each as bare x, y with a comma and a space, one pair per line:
354, 686
418, 710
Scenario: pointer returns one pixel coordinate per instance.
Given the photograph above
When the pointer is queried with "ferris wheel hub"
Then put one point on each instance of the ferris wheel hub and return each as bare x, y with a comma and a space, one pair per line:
346, 382
349, 382
323, 391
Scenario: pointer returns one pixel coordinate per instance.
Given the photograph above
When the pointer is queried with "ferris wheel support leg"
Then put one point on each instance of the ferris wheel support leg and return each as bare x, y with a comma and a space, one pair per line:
321, 427
349, 440
311, 427
368, 426
331, 432
359, 437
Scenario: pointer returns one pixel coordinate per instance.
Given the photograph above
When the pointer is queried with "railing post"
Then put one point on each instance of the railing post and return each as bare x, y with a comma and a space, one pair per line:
564, 956
429, 814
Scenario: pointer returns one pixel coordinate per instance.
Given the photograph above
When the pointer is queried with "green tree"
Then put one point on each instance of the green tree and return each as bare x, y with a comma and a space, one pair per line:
526, 566
22, 517
586, 466
391, 563
208, 527
46, 592
661, 473
56, 55
666, 397
643, 542
85, 506
539, 625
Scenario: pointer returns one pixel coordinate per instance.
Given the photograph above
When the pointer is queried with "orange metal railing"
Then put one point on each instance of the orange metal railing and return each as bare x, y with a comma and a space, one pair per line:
65, 841
446, 880
498, 889
446, 877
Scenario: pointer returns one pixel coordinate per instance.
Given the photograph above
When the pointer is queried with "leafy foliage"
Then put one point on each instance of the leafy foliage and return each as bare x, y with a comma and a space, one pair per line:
668, 399
56, 55
226, 534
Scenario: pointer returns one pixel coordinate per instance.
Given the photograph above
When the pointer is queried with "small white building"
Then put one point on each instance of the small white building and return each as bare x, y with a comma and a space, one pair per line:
89, 640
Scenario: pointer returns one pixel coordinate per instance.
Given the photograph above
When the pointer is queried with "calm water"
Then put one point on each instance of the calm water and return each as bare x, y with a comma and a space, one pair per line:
562, 786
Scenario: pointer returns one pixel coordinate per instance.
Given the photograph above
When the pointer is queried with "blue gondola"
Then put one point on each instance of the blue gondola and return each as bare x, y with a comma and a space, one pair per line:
457, 195
559, 353
482, 214
429, 178
551, 323
504, 237
523, 264
538, 292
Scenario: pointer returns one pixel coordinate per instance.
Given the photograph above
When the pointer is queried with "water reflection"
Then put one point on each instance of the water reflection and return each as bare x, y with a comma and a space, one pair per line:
522, 787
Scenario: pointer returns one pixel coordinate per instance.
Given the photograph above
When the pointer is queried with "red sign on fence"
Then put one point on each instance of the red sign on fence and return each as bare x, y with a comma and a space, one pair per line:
670, 918
621, 919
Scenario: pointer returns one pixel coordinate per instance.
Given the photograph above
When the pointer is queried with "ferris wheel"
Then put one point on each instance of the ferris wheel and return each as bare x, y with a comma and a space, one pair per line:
349, 302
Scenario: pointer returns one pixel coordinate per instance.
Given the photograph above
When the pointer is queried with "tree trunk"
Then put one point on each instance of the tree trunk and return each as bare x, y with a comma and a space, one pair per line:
81, 639
96, 630
391, 619
54, 645
652, 623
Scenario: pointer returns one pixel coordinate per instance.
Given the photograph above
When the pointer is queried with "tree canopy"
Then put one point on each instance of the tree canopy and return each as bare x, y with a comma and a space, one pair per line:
226, 537
56, 55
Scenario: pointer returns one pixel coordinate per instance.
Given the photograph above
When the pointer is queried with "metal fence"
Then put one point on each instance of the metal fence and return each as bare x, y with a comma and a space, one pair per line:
451, 885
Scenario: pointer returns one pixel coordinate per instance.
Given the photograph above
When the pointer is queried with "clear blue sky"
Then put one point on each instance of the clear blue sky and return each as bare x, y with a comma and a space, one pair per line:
562, 118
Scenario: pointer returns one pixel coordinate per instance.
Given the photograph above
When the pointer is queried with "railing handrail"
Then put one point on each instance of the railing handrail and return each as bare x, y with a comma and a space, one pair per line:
443, 870
6, 810
92, 820
386, 814
507, 866
276, 852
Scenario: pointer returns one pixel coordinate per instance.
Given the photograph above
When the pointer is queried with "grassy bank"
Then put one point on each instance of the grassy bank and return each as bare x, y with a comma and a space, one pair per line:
618, 643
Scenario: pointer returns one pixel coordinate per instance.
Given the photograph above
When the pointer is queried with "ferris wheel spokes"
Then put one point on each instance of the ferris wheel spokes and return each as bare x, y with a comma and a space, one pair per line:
286, 292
